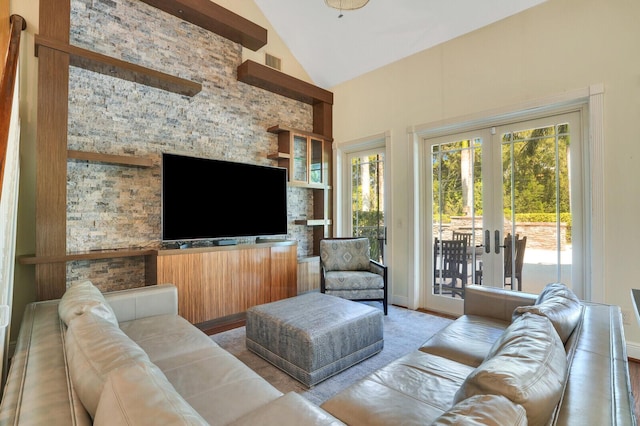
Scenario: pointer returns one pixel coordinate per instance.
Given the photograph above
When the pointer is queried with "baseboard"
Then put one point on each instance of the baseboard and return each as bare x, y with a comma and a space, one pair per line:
633, 350
398, 300
219, 325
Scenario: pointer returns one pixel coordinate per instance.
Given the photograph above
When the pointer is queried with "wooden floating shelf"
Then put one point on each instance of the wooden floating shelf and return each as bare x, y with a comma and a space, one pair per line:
308, 185
280, 129
216, 19
103, 64
86, 255
126, 160
312, 222
278, 156
270, 79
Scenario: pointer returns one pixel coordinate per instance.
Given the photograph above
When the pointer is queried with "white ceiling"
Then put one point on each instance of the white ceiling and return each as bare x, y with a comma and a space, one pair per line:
333, 50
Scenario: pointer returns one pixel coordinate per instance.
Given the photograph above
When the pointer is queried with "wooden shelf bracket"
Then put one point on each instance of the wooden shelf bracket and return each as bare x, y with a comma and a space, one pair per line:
262, 76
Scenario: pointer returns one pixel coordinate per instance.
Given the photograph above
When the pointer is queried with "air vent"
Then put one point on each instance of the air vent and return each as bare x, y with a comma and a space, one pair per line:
272, 61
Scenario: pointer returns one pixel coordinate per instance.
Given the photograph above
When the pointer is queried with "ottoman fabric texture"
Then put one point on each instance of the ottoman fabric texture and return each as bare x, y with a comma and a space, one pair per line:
314, 336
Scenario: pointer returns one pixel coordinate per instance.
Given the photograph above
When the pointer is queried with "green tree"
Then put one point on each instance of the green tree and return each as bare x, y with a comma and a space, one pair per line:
536, 168
447, 172
367, 210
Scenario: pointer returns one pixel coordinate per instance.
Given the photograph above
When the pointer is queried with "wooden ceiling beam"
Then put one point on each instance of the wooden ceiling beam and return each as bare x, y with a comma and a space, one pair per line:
267, 78
215, 18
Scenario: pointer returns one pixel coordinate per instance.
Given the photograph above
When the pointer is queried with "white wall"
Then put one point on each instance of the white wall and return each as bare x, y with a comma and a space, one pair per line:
24, 288
556, 47
275, 46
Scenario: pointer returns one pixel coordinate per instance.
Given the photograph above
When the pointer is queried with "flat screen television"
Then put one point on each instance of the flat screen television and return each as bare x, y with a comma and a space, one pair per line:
211, 199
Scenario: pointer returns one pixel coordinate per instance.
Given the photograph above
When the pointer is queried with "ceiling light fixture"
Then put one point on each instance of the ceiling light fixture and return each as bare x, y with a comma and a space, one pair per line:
346, 4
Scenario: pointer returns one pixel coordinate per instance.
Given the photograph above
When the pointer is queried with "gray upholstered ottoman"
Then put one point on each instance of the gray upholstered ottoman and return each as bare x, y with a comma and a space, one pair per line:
314, 336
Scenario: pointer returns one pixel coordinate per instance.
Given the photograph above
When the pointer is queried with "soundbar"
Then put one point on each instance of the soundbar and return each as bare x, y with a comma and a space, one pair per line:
225, 242
270, 240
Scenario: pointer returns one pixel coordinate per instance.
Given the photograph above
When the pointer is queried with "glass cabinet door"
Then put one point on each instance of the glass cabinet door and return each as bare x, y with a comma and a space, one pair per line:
299, 173
326, 162
315, 165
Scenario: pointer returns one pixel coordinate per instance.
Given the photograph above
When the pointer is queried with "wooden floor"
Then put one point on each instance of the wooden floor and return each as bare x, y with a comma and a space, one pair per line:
634, 373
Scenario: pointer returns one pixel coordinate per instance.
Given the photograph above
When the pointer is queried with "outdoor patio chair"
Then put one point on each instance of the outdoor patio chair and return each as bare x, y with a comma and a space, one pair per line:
347, 271
466, 236
450, 267
509, 265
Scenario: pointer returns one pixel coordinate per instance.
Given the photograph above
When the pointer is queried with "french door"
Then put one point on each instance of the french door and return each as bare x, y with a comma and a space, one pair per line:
366, 189
509, 191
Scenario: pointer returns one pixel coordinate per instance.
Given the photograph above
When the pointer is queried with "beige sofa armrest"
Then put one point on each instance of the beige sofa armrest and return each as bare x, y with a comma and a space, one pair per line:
494, 302
143, 302
38, 390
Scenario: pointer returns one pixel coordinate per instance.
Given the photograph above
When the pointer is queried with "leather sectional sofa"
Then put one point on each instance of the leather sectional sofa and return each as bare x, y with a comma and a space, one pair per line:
128, 358
512, 358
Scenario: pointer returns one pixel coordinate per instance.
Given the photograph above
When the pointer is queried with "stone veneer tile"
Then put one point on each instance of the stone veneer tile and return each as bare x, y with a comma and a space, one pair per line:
112, 206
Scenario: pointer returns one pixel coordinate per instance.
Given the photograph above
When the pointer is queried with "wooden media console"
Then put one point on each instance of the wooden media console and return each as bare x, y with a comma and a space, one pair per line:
216, 285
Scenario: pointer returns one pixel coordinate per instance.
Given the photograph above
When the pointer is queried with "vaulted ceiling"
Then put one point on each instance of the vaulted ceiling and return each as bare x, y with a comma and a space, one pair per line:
335, 49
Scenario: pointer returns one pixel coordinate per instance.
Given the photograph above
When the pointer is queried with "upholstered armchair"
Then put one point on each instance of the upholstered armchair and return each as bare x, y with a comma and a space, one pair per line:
347, 271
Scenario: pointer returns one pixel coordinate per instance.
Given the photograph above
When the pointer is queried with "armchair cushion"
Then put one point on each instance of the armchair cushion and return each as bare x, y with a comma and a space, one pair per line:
353, 280
357, 294
345, 254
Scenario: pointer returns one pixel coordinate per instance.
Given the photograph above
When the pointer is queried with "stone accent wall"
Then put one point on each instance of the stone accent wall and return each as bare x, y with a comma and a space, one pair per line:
112, 206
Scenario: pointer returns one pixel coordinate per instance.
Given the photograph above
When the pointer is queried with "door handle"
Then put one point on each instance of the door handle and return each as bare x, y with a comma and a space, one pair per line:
487, 241
497, 241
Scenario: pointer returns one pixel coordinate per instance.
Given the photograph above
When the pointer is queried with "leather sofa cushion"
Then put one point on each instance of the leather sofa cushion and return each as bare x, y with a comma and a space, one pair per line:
142, 302
558, 303
199, 369
527, 364
140, 394
484, 410
290, 409
94, 348
467, 339
166, 337
81, 297
413, 390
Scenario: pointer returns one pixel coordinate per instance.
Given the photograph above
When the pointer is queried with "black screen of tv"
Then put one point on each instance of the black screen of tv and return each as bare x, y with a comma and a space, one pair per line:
206, 199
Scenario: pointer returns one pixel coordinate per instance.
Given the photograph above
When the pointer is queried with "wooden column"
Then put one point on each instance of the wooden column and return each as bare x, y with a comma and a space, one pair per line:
51, 150
323, 119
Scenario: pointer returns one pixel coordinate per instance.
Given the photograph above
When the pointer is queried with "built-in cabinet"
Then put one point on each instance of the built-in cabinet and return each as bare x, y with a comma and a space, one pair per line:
218, 283
307, 158
308, 274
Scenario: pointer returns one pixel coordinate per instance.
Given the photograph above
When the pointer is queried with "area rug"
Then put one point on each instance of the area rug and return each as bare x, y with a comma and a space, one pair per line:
404, 331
